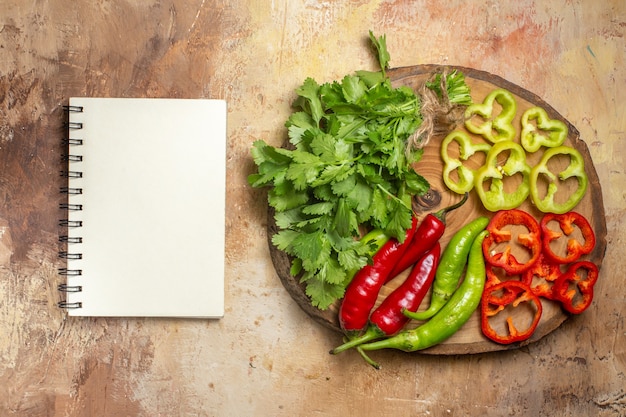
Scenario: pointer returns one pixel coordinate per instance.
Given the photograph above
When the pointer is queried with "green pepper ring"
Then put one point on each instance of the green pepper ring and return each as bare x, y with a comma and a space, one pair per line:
496, 198
555, 130
501, 124
575, 169
466, 175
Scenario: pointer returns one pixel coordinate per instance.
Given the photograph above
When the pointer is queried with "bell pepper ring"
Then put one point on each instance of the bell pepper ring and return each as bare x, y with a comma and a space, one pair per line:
568, 223
496, 275
496, 197
542, 276
500, 232
546, 202
574, 288
467, 149
491, 306
494, 128
543, 132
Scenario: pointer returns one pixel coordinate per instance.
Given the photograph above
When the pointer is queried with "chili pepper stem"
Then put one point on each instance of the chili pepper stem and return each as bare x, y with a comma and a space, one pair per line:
367, 358
402, 341
434, 307
441, 214
371, 333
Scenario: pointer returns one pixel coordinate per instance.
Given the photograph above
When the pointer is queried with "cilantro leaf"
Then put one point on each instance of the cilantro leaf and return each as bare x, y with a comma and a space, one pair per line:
304, 169
323, 293
309, 99
360, 195
345, 222
381, 47
321, 208
353, 88
284, 196
399, 219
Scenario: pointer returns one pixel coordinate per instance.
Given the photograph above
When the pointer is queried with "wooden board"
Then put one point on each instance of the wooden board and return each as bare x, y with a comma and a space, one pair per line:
469, 338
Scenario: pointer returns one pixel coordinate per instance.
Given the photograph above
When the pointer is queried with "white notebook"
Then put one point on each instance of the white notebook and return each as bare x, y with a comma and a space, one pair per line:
144, 223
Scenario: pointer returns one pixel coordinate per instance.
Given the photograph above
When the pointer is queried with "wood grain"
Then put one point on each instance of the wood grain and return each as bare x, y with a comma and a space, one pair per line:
469, 339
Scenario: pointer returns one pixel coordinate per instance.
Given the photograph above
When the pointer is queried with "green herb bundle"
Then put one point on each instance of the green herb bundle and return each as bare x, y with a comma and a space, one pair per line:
347, 170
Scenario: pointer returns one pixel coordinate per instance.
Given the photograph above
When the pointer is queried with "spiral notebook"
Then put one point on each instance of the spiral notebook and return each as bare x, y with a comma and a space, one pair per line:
143, 221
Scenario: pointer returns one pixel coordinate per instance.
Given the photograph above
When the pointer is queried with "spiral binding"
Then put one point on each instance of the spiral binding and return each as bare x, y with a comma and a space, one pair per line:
66, 223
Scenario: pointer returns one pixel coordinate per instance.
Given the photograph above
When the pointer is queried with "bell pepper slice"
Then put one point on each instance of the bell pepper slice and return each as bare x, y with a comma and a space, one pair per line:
568, 223
500, 233
574, 288
467, 149
545, 201
510, 330
481, 120
538, 130
496, 275
542, 276
496, 197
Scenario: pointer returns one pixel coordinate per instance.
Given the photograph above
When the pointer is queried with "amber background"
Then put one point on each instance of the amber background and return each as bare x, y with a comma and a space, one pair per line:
265, 357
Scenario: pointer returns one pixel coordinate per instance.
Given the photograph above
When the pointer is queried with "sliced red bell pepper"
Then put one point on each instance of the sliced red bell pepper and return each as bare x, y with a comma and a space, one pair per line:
496, 275
500, 232
568, 222
541, 277
574, 288
492, 304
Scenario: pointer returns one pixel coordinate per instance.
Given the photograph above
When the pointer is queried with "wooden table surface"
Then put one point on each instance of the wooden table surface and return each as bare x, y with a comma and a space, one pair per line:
266, 357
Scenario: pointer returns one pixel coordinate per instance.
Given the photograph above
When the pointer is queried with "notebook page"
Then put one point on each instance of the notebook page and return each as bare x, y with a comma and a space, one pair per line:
153, 207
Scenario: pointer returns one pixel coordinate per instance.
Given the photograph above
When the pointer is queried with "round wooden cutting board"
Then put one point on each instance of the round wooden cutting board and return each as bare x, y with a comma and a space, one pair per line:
469, 339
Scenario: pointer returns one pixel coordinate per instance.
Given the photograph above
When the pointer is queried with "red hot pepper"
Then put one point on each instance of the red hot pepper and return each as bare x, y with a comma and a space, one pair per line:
362, 292
500, 233
427, 234
388, 319
493, 304
568, 223
574, 288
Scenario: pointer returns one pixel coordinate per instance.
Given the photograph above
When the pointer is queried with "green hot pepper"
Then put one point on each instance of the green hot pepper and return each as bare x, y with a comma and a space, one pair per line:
450, 268
496, 198
575, 169
480, 118
452, 316
467, 148
543, 132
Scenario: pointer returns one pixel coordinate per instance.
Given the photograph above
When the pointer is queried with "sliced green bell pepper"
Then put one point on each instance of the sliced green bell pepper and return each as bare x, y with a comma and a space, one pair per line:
575, 169
496, 197
543, 132
494, 128
467, 148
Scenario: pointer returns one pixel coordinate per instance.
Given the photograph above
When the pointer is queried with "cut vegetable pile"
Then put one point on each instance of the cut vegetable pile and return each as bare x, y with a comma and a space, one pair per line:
342, 191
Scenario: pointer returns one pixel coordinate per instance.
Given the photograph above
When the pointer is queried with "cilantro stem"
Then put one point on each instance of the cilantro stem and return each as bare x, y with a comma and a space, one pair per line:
384, 190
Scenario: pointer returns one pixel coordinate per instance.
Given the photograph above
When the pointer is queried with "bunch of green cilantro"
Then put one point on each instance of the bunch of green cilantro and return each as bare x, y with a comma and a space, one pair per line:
347, 169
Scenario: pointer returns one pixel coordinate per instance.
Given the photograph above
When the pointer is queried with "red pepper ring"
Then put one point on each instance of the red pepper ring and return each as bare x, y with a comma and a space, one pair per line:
575, 289
492, 305
542, 276
568, 222
495, 275
497, 234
